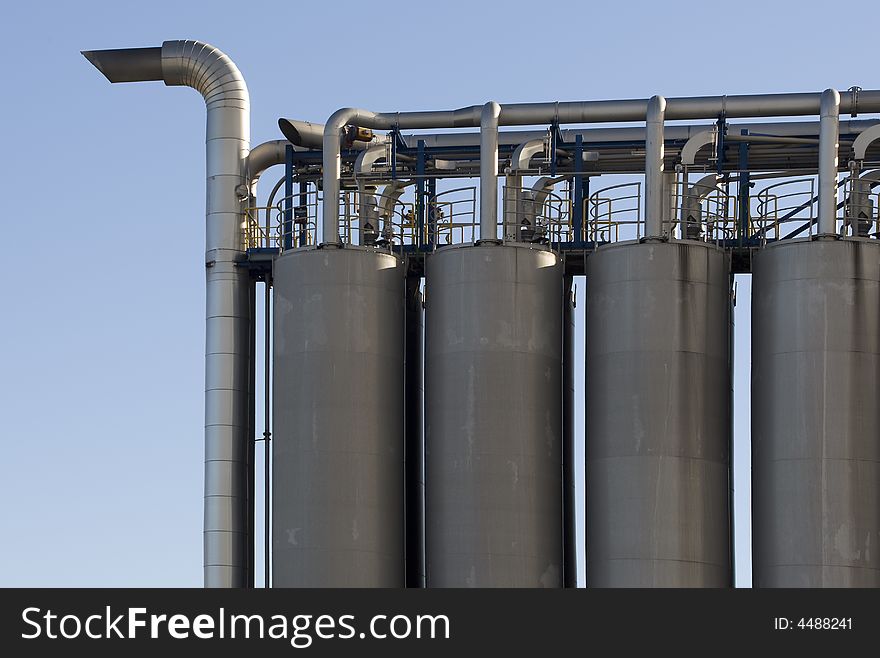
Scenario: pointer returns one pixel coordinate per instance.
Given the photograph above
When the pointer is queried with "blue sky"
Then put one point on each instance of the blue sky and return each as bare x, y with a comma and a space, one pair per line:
102, 283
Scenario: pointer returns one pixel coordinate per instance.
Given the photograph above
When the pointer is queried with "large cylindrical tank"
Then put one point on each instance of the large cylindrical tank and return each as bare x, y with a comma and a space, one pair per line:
338, 513
815, 414
658, 424
493, 405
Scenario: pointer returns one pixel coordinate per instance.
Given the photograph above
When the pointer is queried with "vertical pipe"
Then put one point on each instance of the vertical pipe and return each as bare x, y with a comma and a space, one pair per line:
227, 142
829, 136
252, 433
267, 434
654, 167
489, 170
332, 171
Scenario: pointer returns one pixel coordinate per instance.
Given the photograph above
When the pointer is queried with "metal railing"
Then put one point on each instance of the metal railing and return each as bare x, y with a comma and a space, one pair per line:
452, 216
781, 207
611, 214
614, 213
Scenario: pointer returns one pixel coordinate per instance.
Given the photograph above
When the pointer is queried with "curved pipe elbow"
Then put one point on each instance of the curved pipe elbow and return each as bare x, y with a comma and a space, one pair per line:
656, 111
829, 104
206, 69
265, 155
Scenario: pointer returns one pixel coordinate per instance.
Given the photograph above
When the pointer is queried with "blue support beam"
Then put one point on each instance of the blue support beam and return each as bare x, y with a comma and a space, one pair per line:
743, 189
577, 222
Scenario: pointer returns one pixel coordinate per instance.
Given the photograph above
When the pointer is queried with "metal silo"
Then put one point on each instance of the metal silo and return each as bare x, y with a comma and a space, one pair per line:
493, 386
338, 514
658, 415
815, 414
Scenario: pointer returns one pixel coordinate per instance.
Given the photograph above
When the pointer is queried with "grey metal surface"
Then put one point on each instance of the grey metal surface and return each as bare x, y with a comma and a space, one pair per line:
493, 417
227, 471
338, 471
657, 415
815, 417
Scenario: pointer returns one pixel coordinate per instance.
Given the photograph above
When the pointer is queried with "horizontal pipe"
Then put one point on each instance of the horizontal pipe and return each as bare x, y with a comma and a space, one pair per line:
700, 107
594, 135
632, 133
265, 155
770, 139
127, 64
310, 135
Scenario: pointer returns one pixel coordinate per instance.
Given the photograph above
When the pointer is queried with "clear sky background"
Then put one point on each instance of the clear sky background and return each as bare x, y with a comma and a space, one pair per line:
102, 277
